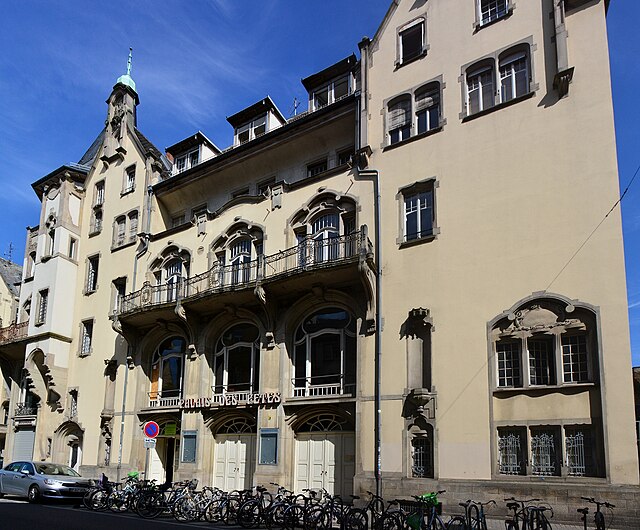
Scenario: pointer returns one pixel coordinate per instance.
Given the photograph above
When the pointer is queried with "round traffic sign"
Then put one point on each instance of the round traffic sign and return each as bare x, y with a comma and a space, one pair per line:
151, 429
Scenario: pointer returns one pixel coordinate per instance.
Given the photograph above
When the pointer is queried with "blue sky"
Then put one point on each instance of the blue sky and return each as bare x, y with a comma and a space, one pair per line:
199, 61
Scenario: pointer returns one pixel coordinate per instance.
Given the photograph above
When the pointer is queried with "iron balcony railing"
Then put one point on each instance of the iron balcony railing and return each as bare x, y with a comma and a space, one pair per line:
322, 386
309, 254
13, 332
225, 394
158, 400
25, 409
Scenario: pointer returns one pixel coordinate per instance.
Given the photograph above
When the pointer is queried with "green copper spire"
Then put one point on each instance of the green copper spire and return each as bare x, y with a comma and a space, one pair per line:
126, 78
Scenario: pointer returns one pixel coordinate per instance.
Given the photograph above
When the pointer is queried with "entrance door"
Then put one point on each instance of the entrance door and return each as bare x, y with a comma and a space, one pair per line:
235, 461
162, 460
325, 460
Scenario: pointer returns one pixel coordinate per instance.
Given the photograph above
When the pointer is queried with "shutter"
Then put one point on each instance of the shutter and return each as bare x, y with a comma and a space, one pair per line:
23, 443
399, 114
426, 99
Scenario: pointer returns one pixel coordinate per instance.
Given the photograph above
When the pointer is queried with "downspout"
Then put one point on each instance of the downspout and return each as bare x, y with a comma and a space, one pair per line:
373, 174
139, 253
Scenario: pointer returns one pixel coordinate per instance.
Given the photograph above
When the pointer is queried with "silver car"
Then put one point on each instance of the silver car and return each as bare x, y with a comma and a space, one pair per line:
37, 480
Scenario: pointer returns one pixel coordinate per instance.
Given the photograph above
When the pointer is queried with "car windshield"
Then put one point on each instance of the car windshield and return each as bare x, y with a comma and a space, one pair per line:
56, 469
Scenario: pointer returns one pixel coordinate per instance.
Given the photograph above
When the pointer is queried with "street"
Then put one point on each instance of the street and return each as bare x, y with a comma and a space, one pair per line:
16, 514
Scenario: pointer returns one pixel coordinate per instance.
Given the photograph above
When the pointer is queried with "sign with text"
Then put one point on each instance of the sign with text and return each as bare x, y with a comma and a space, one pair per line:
232, 400
149, 443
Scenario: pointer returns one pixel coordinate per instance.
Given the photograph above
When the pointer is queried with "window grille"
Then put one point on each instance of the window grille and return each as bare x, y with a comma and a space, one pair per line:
87, 335
510, 453
92, 274
574, 359
543, 451
133, 226
508, 364
42, 306
576, 462
421, 461
74, 404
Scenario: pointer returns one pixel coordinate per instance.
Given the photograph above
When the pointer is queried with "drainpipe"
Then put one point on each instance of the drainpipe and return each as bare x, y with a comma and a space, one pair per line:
374, 175
139, 253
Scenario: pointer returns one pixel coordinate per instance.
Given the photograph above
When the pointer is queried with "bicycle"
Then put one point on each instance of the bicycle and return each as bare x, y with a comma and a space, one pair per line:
474, 517
598, 516
425, 516
527, 516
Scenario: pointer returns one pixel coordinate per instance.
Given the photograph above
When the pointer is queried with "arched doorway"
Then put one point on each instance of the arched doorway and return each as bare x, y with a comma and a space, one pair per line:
325, 454
235, 454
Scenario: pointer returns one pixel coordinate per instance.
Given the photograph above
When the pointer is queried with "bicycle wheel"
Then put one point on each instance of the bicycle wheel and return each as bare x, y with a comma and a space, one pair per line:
294, 517
356, 519
213, 512
98, 500
185, 509
315, 518
457, 523
248, 515
390, 521
150, 504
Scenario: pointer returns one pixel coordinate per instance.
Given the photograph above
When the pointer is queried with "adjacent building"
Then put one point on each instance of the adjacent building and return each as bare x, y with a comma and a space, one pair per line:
376, 292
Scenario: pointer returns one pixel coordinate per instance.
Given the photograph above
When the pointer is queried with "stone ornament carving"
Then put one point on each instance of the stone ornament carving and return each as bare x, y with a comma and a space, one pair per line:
145, 294
420, 403
536, 318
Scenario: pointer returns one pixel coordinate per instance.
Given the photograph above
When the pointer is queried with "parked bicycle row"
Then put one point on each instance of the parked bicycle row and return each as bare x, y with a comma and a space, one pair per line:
315, 510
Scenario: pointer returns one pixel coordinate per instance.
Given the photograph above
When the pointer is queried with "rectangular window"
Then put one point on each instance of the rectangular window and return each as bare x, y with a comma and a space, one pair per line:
133, 226
92, 274
189, 444
260, 126
43, 302
579, 451
480, 91
544, 452
508, 364
344, 156
428, 109
316, 168
130, 179
541, 361
574, 359
194, 158
180, 164
119, 291
514, 77
330, 93
269, 447
177, 220
511, 451
97, 221
99, 194
490, 10
72, 247
121, 227
399, 120
86, 338
418, 215
411, 42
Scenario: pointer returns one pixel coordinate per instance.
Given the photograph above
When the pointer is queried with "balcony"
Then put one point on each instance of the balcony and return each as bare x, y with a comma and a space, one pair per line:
223, 396
308, 256
14, 332
324, 386
168, 400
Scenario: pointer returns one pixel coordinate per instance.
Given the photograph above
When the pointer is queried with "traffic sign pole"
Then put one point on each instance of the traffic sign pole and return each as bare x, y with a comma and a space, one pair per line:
150, 429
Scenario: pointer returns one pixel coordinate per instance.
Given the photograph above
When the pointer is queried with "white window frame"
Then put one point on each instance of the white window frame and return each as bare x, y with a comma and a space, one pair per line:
330, 90
129, 179
99, 193
421, 22
185, 161
476, 73
493, 6
250, 127
86, 339
93, 267
511, 61
401, 105
43, 305
225, 353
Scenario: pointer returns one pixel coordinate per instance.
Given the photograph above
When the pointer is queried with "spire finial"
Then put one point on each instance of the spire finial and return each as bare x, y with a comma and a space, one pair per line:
129, 62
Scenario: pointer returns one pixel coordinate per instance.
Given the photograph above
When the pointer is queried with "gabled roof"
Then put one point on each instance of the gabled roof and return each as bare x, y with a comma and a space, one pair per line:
193, 140
76, 172
91, 153
339, 68
11, 274
253, 111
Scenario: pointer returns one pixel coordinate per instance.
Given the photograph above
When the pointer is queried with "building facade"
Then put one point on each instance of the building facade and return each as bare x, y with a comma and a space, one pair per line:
377, 292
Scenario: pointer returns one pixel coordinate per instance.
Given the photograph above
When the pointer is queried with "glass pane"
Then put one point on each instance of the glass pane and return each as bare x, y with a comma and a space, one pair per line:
218, 370
340, 89
325, 359
171, 375
189, 446
411, 225
240, 333
239, 369
321, 97
333, 318
269, 448
411, 42
300, 365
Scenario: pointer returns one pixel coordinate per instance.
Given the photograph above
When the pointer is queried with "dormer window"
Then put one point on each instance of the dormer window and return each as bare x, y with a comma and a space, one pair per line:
186, 161
330, 93
251, 130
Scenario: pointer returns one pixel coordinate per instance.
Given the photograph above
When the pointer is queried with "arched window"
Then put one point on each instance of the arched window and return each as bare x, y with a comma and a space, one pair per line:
325, 233
480, 80
238, 252
167, 366
514, 74
399, 119
427, 108
325, 354
237, 360
170, 270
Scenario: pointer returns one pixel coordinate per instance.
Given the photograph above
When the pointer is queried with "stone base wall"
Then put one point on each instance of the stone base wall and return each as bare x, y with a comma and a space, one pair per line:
564, 497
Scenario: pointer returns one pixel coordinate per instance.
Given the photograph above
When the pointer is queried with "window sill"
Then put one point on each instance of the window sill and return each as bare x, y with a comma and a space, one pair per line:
420, 240
543, 388
115, 248
85, 353
98, 205
469, 117
27, 280
399, 64
480, 25
127, 191
88, 292
38, 324
416, 137
95, 233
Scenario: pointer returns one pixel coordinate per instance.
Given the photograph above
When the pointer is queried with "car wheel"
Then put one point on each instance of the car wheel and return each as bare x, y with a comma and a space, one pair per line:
34, 494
